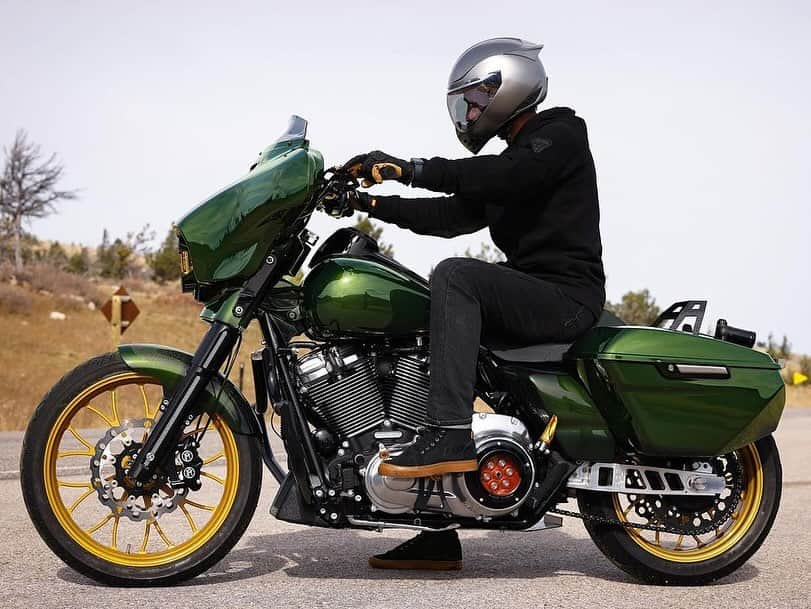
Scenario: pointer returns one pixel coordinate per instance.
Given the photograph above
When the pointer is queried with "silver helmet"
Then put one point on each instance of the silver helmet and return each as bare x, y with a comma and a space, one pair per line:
491, 83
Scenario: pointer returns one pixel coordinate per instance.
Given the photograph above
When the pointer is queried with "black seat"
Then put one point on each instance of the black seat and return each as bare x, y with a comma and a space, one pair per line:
548, 352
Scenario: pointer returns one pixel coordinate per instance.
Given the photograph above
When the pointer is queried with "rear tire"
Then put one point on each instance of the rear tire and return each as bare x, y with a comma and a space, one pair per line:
649, 563
82, 549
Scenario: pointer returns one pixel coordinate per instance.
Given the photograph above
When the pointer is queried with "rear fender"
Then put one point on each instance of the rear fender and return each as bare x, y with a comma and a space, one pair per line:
169, 366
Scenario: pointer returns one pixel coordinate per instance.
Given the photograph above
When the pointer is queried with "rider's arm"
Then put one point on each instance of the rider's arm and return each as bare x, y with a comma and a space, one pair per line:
545, 157
439, 216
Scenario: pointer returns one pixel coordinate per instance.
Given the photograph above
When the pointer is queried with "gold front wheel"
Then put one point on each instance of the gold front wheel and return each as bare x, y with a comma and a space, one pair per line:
76, 454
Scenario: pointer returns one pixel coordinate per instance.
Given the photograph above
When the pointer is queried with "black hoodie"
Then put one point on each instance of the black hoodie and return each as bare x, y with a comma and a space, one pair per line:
539, 198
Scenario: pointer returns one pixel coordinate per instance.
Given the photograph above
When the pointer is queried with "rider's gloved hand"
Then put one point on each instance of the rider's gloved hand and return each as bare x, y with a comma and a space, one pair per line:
377, 166
361, 201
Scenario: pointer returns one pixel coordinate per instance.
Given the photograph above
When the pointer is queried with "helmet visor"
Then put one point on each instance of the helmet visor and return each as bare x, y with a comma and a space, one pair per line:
466, 104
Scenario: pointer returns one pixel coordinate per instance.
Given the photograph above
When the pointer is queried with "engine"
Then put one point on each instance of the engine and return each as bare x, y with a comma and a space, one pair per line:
363, 400
351, 392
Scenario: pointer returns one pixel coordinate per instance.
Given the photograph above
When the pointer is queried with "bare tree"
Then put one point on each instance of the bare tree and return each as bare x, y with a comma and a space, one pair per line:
28, 188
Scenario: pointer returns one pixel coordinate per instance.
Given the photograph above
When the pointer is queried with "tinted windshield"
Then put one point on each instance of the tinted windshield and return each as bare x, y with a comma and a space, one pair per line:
296, 130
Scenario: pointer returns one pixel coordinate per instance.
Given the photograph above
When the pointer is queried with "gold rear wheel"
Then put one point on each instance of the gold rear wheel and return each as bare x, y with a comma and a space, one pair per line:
729, 527
76, 455
686, 548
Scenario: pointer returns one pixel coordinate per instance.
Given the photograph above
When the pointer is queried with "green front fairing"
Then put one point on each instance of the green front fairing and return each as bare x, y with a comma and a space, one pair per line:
357, 297
229, 234
656, 415
169, 366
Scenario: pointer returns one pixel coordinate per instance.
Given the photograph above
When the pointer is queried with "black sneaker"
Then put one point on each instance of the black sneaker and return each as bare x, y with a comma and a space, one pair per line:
437, 451
438, 551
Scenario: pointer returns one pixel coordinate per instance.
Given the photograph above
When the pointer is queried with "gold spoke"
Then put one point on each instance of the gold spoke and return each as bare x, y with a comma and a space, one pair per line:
81, 498
114, 542
657, 541
79, 437
166, 540
146, 402
213, 458
189, 518
717, 533
101, 415
678, 542
698, 541
147, 526
201, 506
213, 477
628, 509
74, 453
74, 484
99, 524
114, 398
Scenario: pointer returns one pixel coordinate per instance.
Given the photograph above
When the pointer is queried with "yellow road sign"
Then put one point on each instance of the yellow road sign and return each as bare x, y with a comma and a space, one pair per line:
798, 378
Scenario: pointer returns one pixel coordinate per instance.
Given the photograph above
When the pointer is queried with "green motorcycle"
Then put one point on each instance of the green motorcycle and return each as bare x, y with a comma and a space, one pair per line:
144, 466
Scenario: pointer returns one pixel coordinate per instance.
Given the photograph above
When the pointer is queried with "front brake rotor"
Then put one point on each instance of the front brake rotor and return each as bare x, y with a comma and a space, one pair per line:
109, 467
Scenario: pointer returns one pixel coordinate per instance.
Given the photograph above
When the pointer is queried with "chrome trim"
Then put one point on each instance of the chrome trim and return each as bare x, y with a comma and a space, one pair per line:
388, 435
702, 370
379, 525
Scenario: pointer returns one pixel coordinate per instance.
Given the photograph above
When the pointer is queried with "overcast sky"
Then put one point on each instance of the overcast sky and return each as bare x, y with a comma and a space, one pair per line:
698, 116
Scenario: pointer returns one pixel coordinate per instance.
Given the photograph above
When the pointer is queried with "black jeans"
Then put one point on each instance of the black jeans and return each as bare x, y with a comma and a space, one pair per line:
475, 302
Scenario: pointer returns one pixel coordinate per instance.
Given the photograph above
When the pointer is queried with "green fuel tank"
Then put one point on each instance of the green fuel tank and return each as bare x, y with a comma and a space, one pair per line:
364, 297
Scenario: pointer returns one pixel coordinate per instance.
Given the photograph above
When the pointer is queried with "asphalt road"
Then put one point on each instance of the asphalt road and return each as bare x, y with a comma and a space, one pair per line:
282, 565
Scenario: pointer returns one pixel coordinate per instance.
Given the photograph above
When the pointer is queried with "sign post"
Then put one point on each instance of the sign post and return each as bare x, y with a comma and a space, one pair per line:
120, 311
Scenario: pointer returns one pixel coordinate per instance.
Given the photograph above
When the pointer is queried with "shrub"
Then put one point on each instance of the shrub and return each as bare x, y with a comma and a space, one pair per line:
636, 308
14, 300
61, 283
79, 263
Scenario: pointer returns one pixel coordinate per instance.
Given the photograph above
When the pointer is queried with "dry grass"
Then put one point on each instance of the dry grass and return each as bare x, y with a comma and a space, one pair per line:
36, 351
798, 397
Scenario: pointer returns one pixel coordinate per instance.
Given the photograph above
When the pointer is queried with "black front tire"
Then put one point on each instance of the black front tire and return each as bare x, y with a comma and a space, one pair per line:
32, 479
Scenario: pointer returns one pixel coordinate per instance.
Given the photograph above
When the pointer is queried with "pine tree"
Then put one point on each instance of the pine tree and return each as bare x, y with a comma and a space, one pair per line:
164, 261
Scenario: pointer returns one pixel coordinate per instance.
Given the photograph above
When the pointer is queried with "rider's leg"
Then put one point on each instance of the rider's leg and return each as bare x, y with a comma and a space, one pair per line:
472, 299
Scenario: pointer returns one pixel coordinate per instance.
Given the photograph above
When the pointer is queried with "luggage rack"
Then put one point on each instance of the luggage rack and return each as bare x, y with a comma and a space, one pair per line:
675, 315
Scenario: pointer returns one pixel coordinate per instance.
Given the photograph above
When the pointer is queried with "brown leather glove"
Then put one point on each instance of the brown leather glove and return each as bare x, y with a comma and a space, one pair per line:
376, 166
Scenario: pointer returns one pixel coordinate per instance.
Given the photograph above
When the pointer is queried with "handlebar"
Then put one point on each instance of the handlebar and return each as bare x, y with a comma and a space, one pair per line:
334, 197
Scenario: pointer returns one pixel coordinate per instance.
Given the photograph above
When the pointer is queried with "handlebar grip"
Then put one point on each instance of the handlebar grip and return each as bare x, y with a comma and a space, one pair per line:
738, 336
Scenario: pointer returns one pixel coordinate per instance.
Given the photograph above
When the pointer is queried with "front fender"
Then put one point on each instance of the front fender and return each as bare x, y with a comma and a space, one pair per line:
169, 366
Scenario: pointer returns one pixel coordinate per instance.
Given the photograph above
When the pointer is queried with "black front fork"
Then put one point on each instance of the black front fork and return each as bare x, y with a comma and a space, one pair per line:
178, 410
